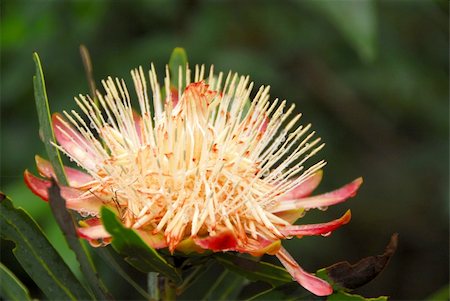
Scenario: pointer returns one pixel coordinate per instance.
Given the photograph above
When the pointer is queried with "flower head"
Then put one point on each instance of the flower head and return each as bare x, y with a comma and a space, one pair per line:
198, 169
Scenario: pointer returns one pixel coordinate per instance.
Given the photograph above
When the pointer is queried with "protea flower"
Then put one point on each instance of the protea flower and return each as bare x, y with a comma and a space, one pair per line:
198, 169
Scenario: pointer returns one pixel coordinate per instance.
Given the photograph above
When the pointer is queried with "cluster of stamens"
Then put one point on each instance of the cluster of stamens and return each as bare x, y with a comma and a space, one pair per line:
193, 161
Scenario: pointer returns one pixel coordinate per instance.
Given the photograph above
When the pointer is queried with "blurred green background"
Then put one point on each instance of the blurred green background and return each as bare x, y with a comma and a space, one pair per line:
372, 77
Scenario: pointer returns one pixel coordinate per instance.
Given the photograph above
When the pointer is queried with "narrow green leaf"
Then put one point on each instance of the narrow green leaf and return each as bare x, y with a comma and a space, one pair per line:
67, 225
192, 276
140, 255
226, 287
37, 256
45, 121
289, 292
178, 59
194, 288
343, 296
254, 270
11, 288
355, 19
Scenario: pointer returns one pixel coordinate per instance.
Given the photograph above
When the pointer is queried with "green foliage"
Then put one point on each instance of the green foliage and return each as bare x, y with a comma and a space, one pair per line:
343, 296
355, 19
112, 263
291, 291
45, 121
254, 270
12, 288
136, 251
37, 256
441, 294
66, 223
227, 287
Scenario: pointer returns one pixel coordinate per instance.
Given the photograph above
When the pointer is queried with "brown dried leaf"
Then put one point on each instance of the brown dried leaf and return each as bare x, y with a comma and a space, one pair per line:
352, 276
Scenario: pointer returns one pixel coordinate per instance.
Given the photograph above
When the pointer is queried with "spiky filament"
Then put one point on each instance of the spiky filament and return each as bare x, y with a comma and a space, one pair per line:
194, 161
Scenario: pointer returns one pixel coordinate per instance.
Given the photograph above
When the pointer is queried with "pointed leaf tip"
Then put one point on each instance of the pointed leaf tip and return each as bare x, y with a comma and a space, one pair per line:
45, 123
178, 59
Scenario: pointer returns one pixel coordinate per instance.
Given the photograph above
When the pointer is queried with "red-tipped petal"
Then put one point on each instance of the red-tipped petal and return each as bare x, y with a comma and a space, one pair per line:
317, 229
323, 200
75, 177
224, 241
38, 186
92, 232
310, 282
73, 142
291, 216
75, 198
260, 247
305, 188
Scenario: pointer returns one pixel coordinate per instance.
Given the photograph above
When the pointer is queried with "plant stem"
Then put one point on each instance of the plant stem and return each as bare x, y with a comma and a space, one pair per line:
152, 286
167, 289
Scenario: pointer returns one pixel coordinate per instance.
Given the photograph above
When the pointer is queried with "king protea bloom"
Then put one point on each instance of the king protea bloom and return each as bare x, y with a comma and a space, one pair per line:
200, 168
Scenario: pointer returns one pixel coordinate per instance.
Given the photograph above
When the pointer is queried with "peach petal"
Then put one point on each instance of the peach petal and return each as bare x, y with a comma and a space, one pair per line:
264, 247
75, 177
310, 282
305, 188
224, 241
156, 241
317, 229
37, 185
323, 200
93, 232
291, 216
73, 142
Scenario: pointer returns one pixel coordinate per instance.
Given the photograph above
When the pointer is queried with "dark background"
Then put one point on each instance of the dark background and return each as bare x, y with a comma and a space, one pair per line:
372, 77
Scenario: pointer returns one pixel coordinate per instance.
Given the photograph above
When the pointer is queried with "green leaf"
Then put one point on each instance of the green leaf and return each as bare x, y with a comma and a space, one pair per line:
140, 255
254, 270
111, 262
178, 59
441, 294
289, 292
37, 256
45, 121
67, 224
355, 19
226, 287
343, 296
11, 288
